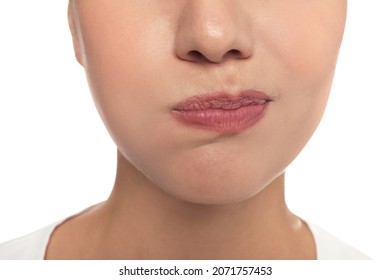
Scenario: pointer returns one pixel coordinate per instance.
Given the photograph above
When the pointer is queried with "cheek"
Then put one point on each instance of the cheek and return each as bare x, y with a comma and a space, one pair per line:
305, 44
123, 62
305, 37
300, 55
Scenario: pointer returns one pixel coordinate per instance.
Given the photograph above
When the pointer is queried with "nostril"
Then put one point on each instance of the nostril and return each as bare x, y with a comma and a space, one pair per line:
234, 53
196, 56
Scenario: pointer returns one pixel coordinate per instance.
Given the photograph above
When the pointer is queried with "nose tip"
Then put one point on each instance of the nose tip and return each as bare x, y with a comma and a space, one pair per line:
212, 34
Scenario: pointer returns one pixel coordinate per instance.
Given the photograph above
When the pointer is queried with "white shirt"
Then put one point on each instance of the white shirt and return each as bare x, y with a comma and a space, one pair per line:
33, 246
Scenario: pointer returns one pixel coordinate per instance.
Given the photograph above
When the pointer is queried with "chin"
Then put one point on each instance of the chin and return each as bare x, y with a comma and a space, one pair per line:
217, 191
215, 179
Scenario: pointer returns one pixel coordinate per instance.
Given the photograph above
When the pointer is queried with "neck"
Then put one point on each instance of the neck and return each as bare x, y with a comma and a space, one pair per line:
153, 225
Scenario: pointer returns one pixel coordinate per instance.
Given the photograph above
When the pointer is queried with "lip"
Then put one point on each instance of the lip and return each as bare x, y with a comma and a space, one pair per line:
222, 112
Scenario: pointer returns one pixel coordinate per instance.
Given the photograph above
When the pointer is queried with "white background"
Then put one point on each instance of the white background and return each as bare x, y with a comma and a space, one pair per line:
56, 157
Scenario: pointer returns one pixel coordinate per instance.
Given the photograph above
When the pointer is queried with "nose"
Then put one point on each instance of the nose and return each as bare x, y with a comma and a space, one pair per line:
213, 31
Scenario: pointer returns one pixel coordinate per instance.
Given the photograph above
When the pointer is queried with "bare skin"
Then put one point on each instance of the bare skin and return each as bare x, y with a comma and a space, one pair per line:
186, 193
168, 228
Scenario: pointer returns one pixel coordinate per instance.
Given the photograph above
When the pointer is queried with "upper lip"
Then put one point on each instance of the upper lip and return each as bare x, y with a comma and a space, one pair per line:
222, 100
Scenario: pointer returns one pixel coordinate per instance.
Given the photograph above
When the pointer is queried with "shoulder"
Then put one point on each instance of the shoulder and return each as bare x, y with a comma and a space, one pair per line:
29, 247
34, 245
330, 247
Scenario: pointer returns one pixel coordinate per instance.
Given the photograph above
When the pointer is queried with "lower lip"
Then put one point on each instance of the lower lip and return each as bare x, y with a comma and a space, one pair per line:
221, 120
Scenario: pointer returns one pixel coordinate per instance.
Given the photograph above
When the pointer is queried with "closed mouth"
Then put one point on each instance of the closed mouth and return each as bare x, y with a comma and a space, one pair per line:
222, 112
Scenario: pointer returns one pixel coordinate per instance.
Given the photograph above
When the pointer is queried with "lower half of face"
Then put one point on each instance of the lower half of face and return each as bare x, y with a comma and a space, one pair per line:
144, 58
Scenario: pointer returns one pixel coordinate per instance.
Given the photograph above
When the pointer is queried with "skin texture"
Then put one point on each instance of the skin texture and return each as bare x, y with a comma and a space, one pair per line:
189, 193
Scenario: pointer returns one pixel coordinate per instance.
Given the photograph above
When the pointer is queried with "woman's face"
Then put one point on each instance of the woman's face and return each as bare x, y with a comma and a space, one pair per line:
143, 58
